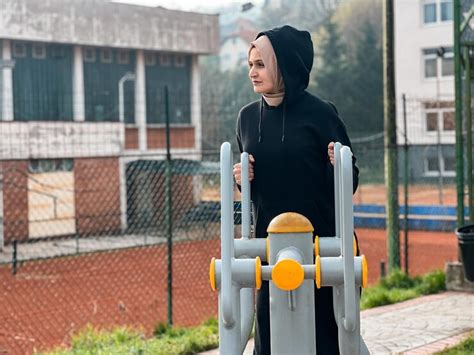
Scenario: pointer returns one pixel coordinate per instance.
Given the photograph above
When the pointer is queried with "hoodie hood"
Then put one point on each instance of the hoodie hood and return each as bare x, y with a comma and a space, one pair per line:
294, 53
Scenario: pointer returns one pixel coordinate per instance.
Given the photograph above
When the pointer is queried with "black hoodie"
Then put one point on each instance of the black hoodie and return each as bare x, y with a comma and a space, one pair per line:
289, 142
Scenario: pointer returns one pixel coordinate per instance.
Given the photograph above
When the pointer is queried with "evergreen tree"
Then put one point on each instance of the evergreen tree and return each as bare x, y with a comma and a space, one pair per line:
331, 73
368, 79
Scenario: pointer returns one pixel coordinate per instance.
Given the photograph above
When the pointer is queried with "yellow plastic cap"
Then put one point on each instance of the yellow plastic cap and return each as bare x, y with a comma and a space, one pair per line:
287, 274
290, 222
317, 271
258, 273
365, 272
354, 246
212, 274
316, 245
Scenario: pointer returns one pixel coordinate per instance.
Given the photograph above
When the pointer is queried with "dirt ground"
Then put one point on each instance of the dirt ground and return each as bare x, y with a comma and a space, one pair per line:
376, 194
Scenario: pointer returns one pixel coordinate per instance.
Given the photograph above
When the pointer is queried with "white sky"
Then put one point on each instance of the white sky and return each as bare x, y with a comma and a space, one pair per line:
188, 5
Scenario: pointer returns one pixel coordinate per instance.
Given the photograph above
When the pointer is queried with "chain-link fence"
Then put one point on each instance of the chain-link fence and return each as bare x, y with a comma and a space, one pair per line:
100, 225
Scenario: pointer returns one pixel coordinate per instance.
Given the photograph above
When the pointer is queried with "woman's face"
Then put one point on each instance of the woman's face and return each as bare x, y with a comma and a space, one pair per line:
258, 73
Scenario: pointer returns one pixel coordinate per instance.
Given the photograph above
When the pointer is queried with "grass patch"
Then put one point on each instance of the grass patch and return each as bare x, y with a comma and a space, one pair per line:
464, 348
125, 340
398, 287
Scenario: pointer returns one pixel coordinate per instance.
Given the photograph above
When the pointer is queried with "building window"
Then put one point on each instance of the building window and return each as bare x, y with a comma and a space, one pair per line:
431, 121
449, 164
165, 59
446, 10
179, 61
431, 63
439, 114
447, 63
58, 52
123, 57
438, 62
437, 11
39, 51
432, 165
150, 58
19, 50
429, 12
89, 55
106, 55
37, 166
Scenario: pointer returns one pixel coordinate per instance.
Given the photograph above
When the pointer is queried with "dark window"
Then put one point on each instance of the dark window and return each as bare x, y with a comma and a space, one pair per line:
178, 81
431, 121
448, 121
447, 63
39, 51
101, 87
106, 55
123, 57
42, 89
150, 58
449, 164
429, 10
165, 59
50, 165
446, 10
19, 49
89, 55
432, 164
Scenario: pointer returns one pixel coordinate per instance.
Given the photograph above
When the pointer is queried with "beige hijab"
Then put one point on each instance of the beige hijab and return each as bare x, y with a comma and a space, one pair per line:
263, 44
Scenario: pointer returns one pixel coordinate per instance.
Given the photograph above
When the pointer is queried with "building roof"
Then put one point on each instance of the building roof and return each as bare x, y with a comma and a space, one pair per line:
106, 24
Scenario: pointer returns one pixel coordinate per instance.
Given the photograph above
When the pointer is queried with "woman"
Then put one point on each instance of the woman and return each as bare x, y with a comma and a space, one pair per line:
289, 136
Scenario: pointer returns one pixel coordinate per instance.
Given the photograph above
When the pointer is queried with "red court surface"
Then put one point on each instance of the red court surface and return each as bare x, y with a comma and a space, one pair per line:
49, 300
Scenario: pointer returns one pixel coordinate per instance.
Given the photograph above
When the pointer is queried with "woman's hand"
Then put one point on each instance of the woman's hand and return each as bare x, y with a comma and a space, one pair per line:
331, 153
238, 170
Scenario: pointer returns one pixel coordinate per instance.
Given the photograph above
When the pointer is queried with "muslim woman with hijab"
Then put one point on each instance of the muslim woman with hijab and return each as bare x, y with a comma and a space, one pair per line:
289, 135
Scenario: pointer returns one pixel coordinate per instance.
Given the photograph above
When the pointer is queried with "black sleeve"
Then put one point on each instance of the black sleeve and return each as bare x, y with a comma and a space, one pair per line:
340, 135
238, 135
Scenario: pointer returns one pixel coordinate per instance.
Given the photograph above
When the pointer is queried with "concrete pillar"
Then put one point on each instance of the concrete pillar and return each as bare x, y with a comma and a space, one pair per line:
6, 66
196, 103
196, 121
140, 100
78, 86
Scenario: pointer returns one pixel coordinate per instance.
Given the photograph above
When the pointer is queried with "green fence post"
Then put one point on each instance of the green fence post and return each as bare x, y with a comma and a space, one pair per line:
391, 156
169, 211
458, 104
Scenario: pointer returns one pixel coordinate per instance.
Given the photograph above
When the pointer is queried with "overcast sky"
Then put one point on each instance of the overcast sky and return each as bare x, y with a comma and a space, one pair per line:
189, 5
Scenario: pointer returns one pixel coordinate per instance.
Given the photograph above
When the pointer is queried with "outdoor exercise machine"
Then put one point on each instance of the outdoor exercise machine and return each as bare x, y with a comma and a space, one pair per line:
296, 263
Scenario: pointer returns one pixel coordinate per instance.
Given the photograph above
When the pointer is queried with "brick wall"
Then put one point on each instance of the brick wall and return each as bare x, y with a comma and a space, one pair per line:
97, 195
180, 137
131, 138
15, 199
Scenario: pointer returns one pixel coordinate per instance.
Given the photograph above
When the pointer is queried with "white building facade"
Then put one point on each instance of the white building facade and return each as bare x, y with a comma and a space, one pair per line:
424, 65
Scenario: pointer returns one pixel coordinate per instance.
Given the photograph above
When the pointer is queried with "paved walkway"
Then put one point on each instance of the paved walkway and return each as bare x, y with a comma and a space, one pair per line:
420, 326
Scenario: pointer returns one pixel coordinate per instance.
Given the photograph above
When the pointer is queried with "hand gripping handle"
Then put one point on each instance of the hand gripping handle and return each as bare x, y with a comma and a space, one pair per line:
227, 233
